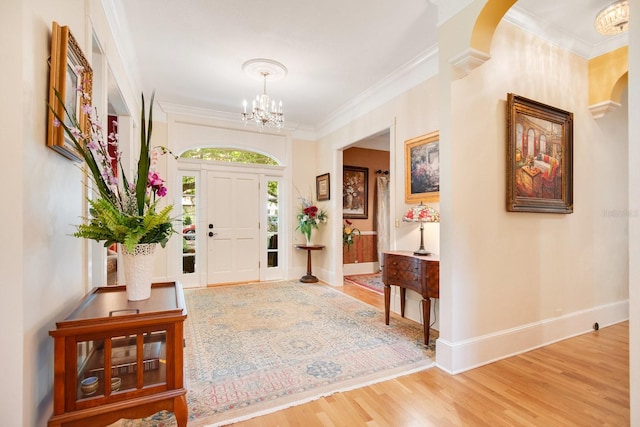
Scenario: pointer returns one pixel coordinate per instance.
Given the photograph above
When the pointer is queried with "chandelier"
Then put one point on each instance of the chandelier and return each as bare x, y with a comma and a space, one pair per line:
613, 19
264, 111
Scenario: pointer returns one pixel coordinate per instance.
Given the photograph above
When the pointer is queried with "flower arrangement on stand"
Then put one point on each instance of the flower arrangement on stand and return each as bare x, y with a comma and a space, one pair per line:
348, 232
309, 217
122, 211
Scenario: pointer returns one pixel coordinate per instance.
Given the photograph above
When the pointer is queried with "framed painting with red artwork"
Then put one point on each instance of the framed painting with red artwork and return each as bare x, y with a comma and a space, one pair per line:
539, 157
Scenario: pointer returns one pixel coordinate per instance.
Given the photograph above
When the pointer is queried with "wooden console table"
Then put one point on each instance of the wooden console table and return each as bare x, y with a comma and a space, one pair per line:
309, 277
131, 351
409, 271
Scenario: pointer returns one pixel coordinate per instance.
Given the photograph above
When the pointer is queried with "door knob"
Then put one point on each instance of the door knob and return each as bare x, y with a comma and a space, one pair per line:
211, 234
210, 225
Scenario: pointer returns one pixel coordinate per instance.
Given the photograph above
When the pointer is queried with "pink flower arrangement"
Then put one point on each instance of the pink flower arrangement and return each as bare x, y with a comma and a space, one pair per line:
123, 211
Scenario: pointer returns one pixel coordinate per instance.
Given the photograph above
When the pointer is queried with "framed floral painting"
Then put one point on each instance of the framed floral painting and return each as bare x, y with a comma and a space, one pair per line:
422, 168
539, 157
69, 69
355, 185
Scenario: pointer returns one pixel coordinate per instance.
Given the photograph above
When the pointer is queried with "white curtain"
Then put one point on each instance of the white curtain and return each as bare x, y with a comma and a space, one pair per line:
382, 218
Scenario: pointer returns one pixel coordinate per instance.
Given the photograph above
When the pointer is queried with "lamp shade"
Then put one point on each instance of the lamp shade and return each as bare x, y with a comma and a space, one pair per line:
421, 213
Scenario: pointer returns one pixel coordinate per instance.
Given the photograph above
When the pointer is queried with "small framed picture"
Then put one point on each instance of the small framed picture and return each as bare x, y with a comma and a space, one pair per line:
69, 70
539, 157
422, 168
355, 190
323, 192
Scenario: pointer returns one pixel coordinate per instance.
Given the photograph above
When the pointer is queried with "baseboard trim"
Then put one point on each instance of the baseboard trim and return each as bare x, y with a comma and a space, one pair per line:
456, 357
360, 268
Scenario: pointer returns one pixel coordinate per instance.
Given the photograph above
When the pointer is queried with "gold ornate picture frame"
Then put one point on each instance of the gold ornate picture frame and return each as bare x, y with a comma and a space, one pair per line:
539, 157
68, 70
422, 168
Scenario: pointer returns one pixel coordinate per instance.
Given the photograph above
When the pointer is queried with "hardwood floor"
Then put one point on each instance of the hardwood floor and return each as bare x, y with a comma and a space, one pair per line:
582, 381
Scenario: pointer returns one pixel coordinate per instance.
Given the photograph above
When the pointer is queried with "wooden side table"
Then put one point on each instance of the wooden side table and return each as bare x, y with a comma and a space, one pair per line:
309, 277
417, 273
130, 350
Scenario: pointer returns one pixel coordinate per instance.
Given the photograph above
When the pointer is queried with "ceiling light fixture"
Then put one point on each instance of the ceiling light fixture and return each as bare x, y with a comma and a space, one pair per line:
264, 111
613, 19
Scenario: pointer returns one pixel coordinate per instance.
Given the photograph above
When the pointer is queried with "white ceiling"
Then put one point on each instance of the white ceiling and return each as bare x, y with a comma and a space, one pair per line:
336, 51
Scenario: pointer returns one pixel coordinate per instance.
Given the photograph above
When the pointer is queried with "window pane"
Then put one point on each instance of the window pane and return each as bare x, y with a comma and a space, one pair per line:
189, 221
228, 155
272, 223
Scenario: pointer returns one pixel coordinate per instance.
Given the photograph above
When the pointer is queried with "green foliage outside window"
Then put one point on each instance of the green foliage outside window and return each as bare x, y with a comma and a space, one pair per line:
231, 155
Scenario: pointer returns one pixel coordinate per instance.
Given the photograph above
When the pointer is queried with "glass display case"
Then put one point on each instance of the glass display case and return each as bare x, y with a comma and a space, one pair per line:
116, 358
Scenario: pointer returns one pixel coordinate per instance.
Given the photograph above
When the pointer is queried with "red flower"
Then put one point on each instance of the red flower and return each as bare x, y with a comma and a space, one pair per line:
312, 211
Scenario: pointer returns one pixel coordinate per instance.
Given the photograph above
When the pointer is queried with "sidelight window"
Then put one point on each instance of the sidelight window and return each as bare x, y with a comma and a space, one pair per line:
189, 221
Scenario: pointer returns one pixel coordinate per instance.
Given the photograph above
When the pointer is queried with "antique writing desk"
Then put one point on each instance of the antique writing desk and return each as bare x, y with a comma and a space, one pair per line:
418, 273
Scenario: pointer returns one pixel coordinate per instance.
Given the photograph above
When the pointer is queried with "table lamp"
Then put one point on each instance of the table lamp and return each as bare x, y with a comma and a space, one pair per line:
421, 214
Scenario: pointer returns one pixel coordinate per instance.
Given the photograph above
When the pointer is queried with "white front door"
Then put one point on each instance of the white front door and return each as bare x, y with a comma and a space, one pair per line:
233, 227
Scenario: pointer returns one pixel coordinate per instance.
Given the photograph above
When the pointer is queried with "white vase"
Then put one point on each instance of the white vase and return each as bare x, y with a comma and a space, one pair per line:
307, 237
138, 270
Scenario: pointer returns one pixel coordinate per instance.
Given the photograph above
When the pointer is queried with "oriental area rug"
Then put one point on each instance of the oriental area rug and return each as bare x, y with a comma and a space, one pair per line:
373, 281
258, 348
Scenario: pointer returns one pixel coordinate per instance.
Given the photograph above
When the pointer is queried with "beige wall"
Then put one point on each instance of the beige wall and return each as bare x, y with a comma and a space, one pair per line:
411, 114
634, 221
12, 122
47, 272
51, 261
303, 184
517, 280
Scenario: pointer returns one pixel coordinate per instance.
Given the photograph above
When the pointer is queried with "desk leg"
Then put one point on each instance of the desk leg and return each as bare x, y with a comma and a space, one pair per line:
403, 294
426, 316
387, 302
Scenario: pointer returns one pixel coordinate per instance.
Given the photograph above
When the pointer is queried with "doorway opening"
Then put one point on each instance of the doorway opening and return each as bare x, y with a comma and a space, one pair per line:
368, 160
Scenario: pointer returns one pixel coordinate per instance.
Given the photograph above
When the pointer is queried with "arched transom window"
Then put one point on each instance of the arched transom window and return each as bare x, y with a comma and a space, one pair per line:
231, 155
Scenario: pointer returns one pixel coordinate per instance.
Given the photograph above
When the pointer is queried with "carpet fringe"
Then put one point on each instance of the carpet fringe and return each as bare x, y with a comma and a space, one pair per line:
316, 397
